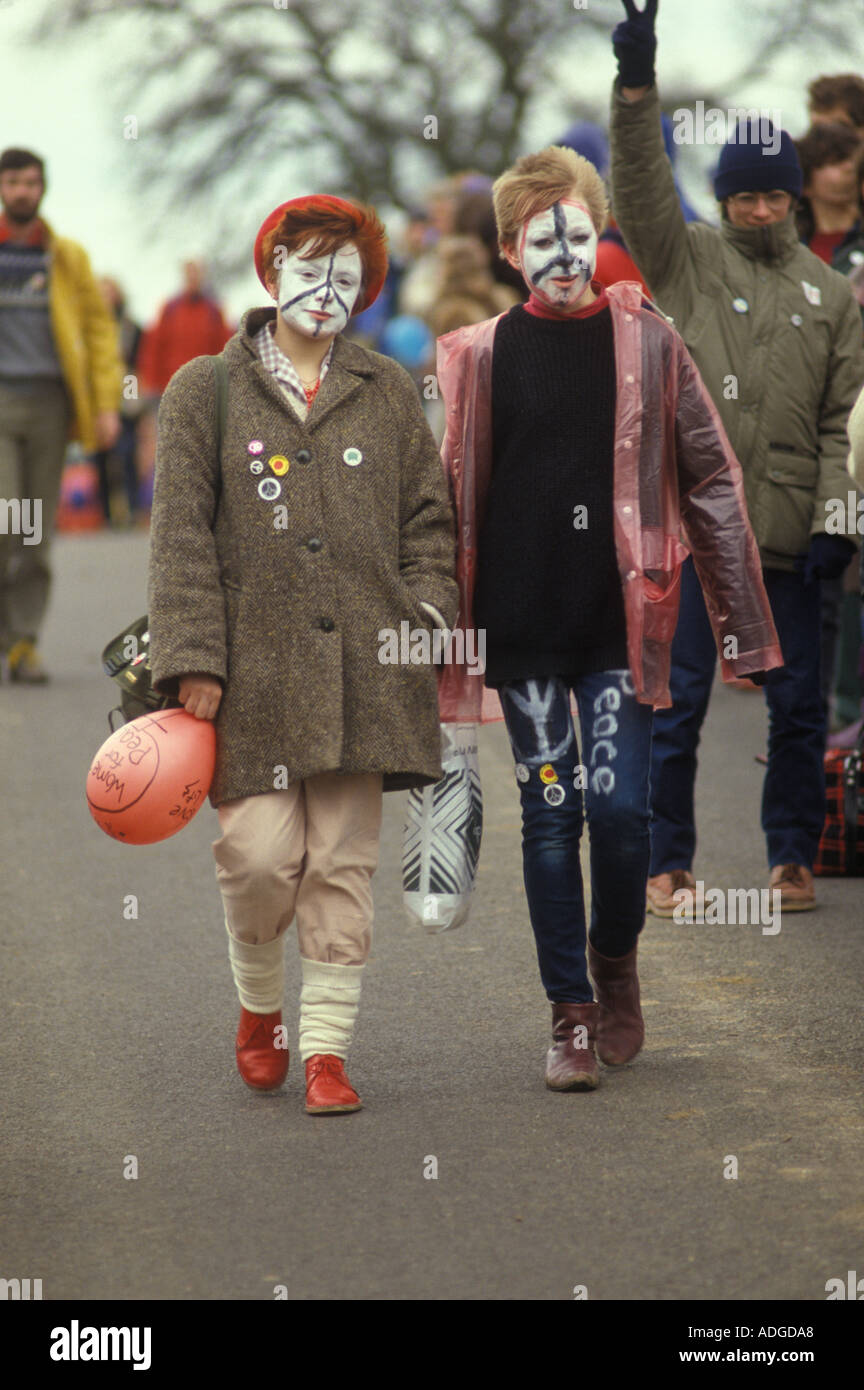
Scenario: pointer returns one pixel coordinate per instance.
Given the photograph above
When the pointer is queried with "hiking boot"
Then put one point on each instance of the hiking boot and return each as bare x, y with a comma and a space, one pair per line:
665, 892
25, 664
570, 1062
796, 887
620, 1029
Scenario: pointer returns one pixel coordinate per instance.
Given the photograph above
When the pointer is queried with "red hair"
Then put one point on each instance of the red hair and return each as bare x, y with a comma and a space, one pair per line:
330, 222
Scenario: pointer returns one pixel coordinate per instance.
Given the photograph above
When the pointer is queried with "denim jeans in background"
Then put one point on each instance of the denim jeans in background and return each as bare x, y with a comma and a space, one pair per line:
616, 735
793, 795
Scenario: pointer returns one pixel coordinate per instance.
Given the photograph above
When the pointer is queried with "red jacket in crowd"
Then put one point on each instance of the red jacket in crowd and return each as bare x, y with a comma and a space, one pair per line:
190, 325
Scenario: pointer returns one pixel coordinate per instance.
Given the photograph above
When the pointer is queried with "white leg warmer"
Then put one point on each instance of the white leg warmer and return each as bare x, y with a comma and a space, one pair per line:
329, 1004
259, 974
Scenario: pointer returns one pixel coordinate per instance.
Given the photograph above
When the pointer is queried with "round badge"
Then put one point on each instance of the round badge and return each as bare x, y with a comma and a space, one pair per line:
255, 446
256, 466
278, 464
269, 489
352, 457
856, 257
740, 306
522, 773
554, 795
797, 320
548, 774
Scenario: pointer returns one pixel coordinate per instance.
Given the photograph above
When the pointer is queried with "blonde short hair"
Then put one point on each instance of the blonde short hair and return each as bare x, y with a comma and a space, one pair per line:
536, 181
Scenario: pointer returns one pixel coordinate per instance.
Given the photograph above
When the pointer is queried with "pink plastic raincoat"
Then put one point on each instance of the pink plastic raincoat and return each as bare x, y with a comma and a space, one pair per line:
674, 468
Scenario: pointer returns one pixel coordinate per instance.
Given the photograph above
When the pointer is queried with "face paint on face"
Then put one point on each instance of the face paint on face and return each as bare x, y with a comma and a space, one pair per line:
557, 253
316, 296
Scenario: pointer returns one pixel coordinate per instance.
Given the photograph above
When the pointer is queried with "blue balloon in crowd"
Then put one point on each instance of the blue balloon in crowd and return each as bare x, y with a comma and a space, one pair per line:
408, 339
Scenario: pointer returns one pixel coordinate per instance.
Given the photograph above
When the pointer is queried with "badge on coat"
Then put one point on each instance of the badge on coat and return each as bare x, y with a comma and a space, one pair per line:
255, 446
740, 306
269, 489
812, 293
352, 457
278, 464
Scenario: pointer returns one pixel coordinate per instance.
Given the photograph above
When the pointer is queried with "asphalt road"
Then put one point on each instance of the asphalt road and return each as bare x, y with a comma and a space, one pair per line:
118, 1041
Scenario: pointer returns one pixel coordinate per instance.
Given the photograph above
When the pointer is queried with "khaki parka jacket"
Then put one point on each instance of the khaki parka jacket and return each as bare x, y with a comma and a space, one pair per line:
276, 566
776, 335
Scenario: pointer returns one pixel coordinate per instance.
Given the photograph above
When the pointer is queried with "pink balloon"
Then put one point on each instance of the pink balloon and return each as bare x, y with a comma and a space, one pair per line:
152, 776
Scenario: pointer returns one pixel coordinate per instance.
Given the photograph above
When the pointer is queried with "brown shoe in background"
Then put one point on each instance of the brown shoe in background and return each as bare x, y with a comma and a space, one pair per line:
571, 1064
660, 893
796, 887
620, 1029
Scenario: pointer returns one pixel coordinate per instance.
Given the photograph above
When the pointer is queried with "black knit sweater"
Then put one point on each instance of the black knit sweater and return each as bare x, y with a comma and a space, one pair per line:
548, 591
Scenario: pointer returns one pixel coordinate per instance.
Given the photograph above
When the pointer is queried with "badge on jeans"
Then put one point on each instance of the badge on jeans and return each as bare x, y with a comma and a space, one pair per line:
554, 794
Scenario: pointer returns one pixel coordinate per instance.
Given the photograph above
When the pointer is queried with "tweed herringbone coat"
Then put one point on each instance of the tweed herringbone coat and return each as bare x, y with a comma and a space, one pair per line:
278, 581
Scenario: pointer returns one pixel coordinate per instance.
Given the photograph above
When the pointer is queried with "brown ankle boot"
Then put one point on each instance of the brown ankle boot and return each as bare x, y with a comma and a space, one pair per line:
620, 1030
570, 1063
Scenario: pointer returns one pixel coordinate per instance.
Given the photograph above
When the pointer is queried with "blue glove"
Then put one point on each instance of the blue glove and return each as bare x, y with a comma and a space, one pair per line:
827, 557
635, 45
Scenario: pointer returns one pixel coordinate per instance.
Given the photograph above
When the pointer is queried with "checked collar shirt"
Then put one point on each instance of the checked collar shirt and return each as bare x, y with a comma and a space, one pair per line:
275, 361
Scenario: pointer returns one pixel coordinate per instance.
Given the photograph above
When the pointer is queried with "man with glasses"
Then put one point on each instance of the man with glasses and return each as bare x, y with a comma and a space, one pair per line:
776, 335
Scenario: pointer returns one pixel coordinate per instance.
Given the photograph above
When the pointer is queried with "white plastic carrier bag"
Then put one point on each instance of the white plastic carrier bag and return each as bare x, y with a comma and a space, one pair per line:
441, 838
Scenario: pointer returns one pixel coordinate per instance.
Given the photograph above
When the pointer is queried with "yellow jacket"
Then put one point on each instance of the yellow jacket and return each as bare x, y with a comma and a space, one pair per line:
85, 337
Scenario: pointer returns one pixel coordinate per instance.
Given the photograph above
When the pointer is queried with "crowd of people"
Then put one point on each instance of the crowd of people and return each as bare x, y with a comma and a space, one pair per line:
565, 330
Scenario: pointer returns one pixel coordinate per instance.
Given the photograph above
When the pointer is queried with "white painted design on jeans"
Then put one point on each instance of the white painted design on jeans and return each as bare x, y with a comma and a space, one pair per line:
603, 743
605, 725
607, 699
603, 780
536, 707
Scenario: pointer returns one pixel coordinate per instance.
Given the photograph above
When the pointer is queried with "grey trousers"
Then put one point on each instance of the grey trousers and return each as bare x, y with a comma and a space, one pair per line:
34, 424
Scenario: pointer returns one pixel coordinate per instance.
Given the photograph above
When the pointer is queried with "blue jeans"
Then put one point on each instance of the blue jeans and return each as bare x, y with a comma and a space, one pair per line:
793, 796
616, 733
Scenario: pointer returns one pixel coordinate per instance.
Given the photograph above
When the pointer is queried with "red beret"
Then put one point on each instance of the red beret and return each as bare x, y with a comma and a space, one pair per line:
371, 243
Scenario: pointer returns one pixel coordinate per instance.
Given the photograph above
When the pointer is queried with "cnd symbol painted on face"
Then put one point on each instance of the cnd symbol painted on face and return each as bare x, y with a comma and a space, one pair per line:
557, 253
316, 295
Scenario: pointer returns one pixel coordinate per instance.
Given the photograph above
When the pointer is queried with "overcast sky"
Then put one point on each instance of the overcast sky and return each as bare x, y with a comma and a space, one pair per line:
62, 103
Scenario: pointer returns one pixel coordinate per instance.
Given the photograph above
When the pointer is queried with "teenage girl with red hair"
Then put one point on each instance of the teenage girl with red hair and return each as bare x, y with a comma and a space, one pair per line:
278, 557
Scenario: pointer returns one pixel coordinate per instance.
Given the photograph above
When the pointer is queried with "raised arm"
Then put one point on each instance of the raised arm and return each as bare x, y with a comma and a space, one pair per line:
644, 198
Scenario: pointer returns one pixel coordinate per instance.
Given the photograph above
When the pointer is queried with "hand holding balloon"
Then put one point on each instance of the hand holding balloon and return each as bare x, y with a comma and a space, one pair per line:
200, 695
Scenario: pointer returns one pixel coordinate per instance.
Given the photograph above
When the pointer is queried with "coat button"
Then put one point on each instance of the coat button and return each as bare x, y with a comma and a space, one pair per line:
326, 624
314, 544
304, 456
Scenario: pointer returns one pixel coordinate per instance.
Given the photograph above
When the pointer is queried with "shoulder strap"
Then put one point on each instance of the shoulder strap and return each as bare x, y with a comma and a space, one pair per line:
220, 373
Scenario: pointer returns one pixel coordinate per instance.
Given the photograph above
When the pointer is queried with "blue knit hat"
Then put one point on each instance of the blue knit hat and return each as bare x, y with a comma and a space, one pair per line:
747, 164
590, 141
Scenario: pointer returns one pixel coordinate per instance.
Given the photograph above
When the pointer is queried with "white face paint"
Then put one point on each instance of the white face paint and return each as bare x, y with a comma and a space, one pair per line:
316, 296
557, 251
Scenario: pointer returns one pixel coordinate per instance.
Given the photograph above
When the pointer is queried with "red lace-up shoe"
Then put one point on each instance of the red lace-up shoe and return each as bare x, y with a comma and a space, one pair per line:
328, 1090
260, 1062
